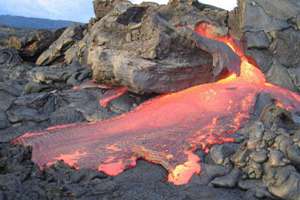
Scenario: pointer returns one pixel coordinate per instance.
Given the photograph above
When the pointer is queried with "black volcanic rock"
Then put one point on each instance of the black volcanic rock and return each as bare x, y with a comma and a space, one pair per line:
271, 36
28, 42
56, 51
151, 53
32, 44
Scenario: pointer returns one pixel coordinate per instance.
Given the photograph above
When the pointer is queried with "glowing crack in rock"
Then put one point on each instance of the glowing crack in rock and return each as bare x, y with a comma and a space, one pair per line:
166, 130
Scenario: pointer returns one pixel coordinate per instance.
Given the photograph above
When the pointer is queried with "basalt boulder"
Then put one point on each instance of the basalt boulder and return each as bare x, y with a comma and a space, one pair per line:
149, 49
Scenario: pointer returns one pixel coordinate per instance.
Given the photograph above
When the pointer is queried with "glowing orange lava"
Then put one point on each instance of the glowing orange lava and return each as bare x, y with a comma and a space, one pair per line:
111, 95
166, 130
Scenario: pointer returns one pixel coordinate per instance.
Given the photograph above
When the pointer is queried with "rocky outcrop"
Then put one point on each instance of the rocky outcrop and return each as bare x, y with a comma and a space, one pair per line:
271, 34
56, 52
153, 53
32, 44
272, 155
57, 76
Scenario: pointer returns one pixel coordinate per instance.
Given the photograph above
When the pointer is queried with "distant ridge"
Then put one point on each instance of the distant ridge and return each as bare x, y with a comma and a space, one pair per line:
33, 23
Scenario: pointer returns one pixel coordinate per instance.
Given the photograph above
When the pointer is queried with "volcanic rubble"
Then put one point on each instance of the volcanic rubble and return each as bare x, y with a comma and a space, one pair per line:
48, 78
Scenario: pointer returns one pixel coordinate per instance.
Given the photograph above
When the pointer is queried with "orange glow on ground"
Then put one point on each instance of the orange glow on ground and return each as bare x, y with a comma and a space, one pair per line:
71, 159
166, 130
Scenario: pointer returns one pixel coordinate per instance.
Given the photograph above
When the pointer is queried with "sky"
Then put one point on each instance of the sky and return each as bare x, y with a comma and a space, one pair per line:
73, 10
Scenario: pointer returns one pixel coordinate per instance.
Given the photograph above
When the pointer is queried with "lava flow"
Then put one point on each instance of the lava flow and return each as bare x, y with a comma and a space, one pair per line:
166, 130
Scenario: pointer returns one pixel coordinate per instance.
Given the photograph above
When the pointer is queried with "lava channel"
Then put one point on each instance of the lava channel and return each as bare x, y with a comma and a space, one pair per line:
166, 130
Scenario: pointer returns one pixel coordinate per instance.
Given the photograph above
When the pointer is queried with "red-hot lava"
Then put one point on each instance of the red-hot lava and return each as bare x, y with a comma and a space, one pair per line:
166, 130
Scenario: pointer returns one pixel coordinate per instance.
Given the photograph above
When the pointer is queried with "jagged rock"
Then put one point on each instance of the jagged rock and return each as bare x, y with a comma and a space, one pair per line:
269, 29
151, 54
150, 42
32, 44
56, 51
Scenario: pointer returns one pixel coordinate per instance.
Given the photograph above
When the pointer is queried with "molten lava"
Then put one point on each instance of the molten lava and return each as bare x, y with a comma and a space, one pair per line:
112, 94
166, 130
